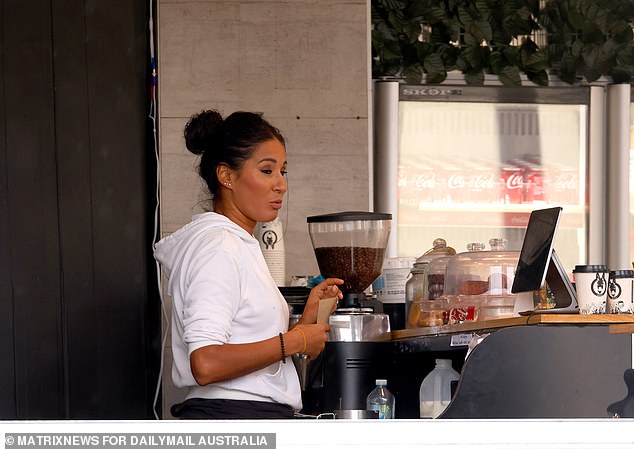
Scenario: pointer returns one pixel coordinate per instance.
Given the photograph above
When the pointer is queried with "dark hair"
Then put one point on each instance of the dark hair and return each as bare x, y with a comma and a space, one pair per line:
230, 141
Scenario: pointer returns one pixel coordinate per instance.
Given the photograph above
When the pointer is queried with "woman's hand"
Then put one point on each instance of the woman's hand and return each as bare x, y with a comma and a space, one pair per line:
325, 289
313, 336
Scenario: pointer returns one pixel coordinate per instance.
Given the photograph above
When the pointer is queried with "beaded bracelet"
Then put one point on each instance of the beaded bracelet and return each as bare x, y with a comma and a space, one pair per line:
283, 351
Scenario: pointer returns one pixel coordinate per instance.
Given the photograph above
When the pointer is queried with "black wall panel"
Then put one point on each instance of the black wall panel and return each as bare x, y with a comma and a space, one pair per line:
7, 368
79, 310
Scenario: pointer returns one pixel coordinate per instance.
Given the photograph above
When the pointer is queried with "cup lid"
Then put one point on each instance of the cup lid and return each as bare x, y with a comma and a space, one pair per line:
590, 269
619, 274
348, 216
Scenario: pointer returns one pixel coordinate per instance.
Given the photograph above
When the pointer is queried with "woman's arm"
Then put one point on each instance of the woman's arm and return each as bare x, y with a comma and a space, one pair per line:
215, 363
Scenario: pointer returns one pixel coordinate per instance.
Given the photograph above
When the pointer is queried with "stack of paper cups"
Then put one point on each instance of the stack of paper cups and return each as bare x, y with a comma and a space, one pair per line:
271, 238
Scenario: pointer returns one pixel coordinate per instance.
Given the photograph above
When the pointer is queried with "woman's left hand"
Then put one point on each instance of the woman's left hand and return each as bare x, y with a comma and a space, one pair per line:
325, 289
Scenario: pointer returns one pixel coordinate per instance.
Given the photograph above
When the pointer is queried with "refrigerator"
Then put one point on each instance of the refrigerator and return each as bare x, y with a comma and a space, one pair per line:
469, 164
631, 177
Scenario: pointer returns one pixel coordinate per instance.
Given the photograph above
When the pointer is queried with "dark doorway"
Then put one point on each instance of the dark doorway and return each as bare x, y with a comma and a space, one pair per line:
79, 308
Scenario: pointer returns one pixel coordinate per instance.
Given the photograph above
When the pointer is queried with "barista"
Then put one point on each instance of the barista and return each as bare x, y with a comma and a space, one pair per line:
230, 337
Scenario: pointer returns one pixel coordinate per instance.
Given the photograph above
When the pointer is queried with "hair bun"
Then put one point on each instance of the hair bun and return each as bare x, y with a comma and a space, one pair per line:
200, 129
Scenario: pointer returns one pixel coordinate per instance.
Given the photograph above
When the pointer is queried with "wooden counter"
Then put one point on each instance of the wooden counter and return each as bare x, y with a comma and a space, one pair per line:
622, 323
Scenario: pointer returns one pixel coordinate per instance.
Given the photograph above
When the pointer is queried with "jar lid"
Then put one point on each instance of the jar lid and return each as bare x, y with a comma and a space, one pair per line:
348, 216
419, 268
590, 269
475, 246
439, 248
354, 311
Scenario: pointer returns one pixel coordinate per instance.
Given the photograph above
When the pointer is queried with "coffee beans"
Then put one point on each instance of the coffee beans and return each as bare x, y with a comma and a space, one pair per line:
357, 266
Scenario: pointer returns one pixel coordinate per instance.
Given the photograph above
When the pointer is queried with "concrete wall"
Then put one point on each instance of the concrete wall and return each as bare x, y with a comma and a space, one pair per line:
305, 65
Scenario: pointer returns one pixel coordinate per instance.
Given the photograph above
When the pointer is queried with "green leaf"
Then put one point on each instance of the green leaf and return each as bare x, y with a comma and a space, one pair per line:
474, 78
474, 56
461, 63
470, 40
621, 74
536, 62
435, 14
483, 8
540, 78
577, 48
621, 31
464, 17
423, 49
501, 37
591, 73
453, 29
590, 32
512, 55
413, 74
437, 78
625, 56
498, 61
433, 64
510, 76
524, 13
484, 27
568, 70
575, 19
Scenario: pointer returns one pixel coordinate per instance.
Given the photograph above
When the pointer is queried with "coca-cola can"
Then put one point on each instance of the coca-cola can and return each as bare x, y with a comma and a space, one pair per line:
534, 184
565, 185
425, 184
455, 183
511, 184
482, 184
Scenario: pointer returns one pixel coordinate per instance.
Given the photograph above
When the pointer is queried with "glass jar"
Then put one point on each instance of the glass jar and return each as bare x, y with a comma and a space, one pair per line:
478, 283
416, 289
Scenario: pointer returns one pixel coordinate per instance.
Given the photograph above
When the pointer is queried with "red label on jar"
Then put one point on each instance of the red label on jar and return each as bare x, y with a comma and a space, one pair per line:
461, 314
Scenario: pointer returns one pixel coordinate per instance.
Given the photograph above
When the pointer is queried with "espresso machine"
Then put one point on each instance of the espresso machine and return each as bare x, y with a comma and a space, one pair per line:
350, 246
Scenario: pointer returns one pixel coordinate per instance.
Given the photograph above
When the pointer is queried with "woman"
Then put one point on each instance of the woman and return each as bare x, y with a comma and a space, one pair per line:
230, 337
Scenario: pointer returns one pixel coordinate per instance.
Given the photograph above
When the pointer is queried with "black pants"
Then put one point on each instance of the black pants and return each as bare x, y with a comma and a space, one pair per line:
198, 408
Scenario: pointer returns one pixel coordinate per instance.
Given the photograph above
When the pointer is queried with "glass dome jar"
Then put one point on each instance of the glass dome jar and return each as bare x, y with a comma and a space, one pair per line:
478, 283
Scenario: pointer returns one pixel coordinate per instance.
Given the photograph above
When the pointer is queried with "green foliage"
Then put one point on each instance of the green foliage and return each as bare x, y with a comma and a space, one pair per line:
587, 39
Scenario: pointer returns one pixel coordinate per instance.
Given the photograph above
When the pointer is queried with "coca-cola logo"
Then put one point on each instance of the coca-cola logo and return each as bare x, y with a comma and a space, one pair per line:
427, 181
456, 182
566, 182
514, 181
484, 182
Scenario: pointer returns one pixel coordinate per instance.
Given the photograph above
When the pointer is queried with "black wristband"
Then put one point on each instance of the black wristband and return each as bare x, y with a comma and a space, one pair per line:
283, 351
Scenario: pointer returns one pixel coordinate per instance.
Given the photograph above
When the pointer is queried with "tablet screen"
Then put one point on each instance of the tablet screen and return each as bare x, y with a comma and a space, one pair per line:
536, 250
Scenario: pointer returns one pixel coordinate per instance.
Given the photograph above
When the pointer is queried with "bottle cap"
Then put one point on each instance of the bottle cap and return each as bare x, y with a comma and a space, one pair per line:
381, 382
443, 362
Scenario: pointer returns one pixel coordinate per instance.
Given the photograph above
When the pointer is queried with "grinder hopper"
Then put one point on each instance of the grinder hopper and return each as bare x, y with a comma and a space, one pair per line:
350, 246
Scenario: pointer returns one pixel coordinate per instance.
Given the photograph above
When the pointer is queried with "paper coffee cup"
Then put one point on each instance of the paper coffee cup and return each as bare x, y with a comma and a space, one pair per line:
621, 292
591, 282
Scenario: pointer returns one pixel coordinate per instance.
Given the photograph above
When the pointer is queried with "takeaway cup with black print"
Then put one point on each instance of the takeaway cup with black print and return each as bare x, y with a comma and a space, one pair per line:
591, 282
621, 292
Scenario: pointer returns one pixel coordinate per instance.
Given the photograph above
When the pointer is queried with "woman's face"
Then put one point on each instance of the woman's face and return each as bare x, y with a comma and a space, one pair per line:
257, 189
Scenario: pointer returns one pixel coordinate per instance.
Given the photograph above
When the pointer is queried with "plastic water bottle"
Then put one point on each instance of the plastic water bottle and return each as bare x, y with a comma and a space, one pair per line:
435, 390
381, 400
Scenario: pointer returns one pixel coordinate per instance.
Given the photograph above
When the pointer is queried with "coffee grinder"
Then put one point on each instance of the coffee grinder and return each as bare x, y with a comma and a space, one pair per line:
350, 246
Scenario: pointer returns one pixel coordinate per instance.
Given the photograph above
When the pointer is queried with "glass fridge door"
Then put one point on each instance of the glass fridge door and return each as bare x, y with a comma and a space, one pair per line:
473, 170
632, 179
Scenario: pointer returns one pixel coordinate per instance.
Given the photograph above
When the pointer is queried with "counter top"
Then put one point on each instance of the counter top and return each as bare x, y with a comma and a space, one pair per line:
621, 323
